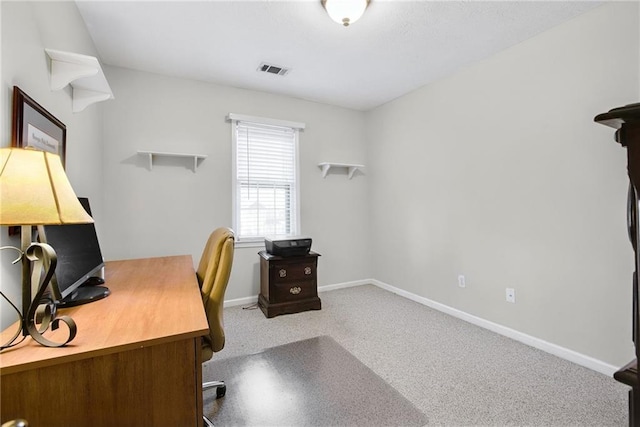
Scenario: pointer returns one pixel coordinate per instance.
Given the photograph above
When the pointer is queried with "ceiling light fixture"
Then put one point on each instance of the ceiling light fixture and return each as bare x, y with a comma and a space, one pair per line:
345, 12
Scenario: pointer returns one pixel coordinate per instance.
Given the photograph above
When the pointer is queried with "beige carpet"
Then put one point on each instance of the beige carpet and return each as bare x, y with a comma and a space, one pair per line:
314, 382
455, 373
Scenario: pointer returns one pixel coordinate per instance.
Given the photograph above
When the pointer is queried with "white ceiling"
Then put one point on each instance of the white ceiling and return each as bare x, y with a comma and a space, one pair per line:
396, 47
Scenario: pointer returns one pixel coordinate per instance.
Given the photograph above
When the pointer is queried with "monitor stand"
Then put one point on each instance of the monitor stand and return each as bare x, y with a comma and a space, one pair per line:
84, 295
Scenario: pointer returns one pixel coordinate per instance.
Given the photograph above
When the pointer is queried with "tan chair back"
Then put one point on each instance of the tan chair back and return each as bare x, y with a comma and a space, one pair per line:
213, 275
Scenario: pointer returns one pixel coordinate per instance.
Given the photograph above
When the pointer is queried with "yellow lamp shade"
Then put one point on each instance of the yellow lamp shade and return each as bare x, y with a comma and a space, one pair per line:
34, 190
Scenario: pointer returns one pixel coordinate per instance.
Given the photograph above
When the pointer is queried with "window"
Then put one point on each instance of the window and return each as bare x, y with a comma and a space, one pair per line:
265, 177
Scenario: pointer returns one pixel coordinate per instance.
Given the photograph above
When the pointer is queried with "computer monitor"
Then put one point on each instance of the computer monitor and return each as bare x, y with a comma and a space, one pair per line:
80, 261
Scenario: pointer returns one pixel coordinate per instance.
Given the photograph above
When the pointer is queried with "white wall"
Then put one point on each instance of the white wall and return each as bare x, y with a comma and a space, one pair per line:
499, 173
27, 29
171, 210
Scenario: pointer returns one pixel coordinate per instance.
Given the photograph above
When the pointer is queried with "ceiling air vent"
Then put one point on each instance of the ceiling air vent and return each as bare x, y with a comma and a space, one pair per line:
273, 69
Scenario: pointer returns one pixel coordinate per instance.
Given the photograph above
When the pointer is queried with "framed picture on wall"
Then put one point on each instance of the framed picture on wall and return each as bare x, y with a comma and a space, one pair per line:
33, 126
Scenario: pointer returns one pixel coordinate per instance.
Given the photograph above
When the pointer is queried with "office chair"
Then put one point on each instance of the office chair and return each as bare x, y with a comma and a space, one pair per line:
213, 275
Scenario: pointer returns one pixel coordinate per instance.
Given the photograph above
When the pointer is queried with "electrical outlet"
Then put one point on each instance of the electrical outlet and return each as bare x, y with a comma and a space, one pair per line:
461, 282
511, 295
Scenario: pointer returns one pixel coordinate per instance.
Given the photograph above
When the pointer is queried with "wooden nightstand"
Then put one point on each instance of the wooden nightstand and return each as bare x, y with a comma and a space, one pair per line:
288, 284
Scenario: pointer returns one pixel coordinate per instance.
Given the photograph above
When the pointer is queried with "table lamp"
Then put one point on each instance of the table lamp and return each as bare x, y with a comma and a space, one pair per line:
34, 190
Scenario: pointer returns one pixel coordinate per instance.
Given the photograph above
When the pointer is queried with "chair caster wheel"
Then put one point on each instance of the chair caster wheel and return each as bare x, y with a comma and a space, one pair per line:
221, 391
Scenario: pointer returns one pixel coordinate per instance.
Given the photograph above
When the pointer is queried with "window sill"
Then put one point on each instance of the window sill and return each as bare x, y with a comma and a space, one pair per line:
250, 244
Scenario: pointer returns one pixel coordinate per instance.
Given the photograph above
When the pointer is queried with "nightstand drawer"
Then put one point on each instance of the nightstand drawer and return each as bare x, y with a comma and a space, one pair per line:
294, 290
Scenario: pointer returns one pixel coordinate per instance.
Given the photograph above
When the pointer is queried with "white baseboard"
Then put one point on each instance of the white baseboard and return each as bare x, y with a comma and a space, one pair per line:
556, 350
343, 285
241, 301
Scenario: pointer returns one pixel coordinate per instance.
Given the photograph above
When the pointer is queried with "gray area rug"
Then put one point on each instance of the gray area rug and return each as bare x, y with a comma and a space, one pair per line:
314, 382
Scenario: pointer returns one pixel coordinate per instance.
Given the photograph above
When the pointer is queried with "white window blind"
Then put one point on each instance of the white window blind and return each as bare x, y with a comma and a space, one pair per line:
265, 180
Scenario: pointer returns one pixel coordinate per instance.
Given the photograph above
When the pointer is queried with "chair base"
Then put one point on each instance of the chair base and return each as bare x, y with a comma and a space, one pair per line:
221, 390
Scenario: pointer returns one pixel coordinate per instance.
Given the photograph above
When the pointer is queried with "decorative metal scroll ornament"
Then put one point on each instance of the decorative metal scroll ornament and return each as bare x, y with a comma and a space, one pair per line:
17, 310
39, 254
43, 262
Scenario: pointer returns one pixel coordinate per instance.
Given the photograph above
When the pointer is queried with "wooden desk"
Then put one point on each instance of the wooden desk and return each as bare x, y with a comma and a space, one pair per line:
136, 360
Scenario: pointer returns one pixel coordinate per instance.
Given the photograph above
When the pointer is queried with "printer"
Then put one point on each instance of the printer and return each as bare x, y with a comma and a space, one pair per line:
287, 246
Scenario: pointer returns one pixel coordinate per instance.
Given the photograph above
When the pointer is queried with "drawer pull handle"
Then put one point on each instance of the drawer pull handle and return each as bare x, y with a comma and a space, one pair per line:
283, 273
295, 290
307, 270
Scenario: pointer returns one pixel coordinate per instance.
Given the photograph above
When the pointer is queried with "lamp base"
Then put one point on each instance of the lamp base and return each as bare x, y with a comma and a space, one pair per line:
38, 265
41, 260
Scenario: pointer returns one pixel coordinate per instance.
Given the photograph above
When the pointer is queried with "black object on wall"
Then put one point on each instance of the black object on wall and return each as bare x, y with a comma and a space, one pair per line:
626, 121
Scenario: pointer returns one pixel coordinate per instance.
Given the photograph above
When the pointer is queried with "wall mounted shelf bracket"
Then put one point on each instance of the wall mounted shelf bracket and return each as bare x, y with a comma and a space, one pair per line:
83, 73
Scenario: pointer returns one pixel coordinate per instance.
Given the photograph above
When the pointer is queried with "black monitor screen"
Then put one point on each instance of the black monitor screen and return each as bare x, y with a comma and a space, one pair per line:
78, 251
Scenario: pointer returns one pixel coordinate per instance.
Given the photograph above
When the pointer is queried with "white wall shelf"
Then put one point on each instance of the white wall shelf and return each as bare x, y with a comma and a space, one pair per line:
196, 157
352, 168
83, 73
